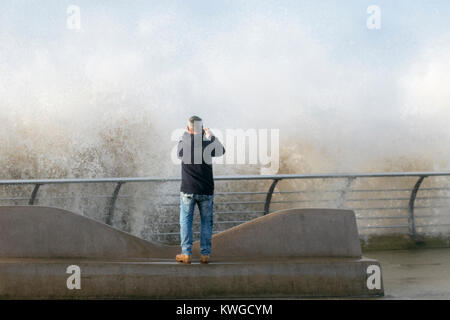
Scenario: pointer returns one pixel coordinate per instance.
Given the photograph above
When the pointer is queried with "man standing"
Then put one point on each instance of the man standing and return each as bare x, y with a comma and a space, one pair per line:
196, 148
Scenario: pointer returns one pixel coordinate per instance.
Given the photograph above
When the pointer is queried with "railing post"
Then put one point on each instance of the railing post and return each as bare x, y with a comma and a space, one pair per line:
269, 196
412, 199
110, 216
34, 194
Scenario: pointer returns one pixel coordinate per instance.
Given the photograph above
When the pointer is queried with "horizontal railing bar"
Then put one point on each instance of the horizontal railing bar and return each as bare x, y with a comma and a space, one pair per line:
238, 212
231, 193
369, 209
434, 189
400, 208
396, 226
339, 190
368, 227
433, 198
229, 178
434, 215
215, 194
177, 233
305, 200
158, 195
397, 199
198, 223
379, 190
392, 208
329, 200
337, 199
279, 201
380, 218
336, 175
215, 203
315, 191
120, 207
244, 193
395, 189
358, 218
308, 191
349, 208
215, 212
384, 227
74, 197
364, 199
238, 193
430, 207
397, 217
384, 208
99, 180
378, 199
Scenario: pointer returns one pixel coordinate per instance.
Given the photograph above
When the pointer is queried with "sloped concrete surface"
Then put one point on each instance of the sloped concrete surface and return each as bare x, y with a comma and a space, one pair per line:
290, 233
45, 232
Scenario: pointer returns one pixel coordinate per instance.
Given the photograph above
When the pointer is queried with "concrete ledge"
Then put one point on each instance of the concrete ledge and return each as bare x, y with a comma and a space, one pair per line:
46, 279
289, 253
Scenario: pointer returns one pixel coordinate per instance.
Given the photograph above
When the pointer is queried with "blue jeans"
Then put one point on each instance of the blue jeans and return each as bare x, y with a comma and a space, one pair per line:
205, 205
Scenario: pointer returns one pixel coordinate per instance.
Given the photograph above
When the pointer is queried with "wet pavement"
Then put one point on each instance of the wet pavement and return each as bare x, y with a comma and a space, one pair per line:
414, 274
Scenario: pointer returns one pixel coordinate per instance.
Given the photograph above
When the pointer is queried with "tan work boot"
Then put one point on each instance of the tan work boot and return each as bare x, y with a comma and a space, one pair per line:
183, 258
204, 259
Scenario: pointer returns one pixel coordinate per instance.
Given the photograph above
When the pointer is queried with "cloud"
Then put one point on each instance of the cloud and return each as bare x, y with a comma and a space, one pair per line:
256, 70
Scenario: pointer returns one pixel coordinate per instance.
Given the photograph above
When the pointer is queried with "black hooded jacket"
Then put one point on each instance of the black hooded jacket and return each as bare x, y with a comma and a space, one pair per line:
196, 153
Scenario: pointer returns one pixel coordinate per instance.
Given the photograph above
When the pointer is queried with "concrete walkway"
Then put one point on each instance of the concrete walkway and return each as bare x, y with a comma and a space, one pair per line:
415, 274
138, 279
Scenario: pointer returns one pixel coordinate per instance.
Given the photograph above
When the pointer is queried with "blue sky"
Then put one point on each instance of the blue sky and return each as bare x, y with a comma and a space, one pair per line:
340, 24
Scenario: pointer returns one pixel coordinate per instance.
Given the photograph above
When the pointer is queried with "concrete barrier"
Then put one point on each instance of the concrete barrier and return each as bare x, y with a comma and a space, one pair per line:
290, 253
46, 232
290, 233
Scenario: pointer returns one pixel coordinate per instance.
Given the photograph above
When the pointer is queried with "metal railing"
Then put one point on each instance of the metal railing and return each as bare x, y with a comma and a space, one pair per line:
270, 192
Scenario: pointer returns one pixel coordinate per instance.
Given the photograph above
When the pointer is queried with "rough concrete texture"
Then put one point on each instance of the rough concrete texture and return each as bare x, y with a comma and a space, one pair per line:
294, 278
416, 274
295, 253
290, 233
45, 232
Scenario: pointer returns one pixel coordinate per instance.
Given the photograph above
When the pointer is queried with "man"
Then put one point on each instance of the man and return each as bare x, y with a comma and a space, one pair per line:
196, 148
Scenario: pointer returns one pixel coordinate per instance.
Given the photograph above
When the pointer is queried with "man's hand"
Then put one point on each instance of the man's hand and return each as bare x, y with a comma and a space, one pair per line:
208, 133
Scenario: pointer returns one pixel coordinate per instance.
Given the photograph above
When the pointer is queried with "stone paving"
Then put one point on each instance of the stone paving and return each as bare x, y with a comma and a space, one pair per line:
415, 274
